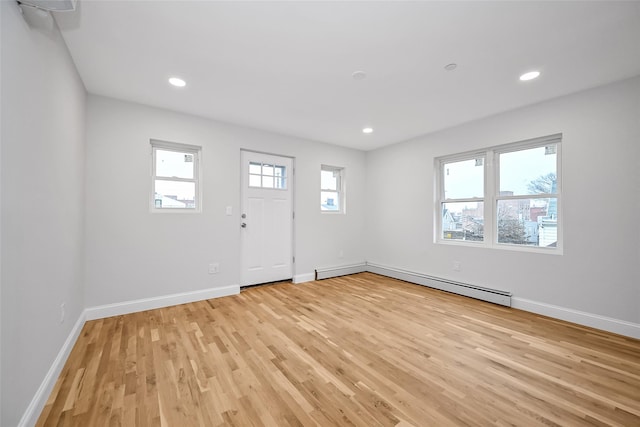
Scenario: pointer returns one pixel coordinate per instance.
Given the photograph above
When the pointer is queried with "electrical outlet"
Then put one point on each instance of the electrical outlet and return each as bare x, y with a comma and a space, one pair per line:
62, 312
341, 254
214, 268
457, 266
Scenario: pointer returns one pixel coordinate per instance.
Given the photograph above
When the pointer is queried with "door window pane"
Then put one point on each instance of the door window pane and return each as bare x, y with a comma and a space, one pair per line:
267, 176
280, 183
255, 168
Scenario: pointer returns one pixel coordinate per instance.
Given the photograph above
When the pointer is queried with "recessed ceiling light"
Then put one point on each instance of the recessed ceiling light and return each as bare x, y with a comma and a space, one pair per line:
530, 75
450, 67
358, 75
177, 82
367, 130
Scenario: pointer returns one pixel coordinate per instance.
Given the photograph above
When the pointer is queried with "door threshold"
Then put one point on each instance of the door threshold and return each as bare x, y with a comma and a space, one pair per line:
242, 288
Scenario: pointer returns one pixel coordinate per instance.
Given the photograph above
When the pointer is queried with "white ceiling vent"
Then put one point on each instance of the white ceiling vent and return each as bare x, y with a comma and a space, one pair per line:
52, 5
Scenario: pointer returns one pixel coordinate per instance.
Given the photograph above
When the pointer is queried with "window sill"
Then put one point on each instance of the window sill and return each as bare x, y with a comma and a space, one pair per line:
502, 246
177, 211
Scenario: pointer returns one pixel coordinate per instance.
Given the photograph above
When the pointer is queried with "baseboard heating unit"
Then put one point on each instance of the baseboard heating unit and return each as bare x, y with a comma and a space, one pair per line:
495, 296
343, 270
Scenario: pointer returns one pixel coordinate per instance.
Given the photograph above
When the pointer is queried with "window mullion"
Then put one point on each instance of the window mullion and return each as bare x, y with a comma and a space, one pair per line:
490, 190
174, 179
529, 196
471, 199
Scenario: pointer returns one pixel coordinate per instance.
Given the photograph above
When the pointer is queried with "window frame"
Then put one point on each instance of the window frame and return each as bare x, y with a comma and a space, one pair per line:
196, 152
492, 194
340, 188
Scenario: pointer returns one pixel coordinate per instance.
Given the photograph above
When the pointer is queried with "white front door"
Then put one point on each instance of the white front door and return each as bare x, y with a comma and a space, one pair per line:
266, 218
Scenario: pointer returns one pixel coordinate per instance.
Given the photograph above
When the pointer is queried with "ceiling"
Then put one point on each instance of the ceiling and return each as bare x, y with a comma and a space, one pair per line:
287, 66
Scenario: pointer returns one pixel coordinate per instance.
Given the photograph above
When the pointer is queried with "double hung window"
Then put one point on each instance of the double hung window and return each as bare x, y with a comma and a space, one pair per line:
175, 181
506, 196
331, 189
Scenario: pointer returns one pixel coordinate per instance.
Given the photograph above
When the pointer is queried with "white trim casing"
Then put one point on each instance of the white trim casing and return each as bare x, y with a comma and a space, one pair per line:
30, 416
596, 321
609, 324
126, 307
304, 277
343, 270
39, 400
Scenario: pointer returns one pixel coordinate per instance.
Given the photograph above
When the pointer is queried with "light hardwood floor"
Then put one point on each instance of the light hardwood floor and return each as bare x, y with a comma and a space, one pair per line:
360, 350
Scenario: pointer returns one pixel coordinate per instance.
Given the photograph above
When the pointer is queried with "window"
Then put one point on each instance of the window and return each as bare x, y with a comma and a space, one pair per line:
463, 205
331, 189
263, 175
175, 183
506, 196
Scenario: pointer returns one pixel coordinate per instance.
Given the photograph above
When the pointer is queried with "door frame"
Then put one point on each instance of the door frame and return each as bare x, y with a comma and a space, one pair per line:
292, 188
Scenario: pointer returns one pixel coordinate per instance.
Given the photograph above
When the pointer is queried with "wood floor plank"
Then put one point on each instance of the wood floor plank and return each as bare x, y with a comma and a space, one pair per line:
360, 350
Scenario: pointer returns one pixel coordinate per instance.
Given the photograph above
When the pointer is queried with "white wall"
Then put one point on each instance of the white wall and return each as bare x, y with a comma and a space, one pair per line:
133, 254
43, 110
598, 272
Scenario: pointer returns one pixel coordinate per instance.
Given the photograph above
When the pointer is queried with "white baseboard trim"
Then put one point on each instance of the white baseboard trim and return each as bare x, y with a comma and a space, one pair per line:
117, 309
342, 270
609, 324
306, 277
485, 294
33, 411
596, 321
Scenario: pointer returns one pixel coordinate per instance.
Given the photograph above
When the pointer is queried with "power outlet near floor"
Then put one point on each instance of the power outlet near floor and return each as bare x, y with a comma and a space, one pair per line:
62, 312
214, 268
457, 266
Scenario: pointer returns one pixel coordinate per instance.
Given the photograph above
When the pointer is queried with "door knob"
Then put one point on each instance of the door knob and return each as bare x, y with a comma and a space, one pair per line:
243, 225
